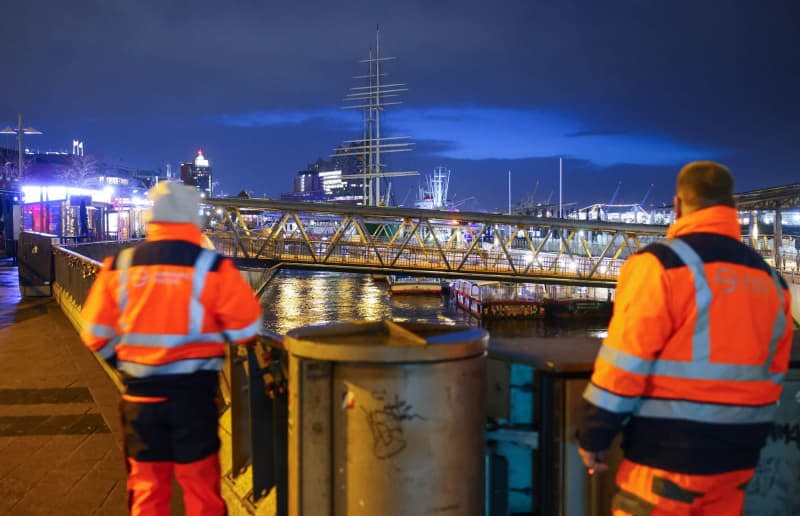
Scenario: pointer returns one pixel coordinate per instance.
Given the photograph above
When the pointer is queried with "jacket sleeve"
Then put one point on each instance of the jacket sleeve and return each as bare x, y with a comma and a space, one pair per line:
238, 310
100, 314
639, 329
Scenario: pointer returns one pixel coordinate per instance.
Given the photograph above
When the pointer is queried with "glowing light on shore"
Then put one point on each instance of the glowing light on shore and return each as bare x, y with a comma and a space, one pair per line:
39, 193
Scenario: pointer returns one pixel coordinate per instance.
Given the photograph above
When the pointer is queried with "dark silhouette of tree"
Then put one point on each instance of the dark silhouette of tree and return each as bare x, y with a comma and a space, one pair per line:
79, 170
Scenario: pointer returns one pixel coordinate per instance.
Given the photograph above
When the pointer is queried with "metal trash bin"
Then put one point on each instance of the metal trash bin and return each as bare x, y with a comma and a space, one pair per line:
386, 419
36, 264
773, 490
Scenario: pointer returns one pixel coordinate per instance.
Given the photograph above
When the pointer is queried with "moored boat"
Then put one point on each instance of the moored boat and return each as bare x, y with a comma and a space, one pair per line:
579, 308
496, 300
419, 285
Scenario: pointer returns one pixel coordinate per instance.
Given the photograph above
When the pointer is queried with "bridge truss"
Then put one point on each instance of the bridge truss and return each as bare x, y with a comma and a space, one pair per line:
426, 242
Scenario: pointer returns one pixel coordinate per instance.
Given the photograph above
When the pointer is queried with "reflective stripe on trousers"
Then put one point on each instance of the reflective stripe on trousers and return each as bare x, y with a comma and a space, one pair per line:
645, 491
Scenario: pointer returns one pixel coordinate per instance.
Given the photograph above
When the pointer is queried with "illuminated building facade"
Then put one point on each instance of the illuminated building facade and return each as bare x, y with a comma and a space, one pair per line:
328, 181
198, 174
74, 197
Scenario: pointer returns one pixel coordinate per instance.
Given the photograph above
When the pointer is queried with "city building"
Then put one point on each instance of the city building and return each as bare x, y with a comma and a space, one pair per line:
198, 174
336, 180
73, 196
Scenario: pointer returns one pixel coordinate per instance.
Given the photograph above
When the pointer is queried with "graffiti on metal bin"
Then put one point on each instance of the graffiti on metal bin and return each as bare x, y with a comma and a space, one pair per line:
773, 488
386, 424
788, 433
764, 478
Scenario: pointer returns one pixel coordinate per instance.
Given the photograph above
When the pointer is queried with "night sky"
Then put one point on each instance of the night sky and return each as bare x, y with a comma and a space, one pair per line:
624, 90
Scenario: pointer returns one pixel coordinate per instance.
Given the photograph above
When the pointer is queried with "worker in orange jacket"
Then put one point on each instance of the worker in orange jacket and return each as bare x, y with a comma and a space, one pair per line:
692, 366
161, 313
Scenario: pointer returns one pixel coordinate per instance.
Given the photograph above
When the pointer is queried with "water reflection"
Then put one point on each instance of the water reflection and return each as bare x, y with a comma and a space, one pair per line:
301, 298
545, 328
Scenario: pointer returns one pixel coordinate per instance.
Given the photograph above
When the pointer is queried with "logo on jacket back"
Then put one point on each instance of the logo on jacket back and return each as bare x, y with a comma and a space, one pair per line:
143, 277
729, 280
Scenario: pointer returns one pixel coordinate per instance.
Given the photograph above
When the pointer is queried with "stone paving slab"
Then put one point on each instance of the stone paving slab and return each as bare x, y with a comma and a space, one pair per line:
59, 430
61, 454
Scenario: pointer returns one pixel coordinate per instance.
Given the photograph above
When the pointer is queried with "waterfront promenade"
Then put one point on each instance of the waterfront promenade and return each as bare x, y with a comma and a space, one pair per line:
60, 444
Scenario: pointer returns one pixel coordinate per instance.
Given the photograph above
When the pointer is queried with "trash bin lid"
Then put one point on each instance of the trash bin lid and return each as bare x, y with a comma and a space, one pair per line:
386, 341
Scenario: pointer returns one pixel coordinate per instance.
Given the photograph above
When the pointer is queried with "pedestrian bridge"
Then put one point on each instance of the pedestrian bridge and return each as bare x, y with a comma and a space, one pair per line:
426, 242
447, 244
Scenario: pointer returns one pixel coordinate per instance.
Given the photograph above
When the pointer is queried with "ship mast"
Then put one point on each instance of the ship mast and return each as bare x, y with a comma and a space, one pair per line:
372, 99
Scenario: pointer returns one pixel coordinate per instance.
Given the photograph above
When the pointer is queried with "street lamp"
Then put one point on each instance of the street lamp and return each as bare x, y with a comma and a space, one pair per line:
19, 131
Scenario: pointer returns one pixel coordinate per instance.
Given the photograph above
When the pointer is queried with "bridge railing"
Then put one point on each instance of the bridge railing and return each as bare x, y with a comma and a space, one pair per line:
494, 261
448, 244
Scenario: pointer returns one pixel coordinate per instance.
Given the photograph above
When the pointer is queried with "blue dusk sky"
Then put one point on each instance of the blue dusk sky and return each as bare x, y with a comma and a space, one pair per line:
625, 90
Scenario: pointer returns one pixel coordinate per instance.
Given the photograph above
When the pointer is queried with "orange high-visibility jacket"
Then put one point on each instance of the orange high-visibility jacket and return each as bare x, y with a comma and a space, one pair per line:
167, 306
696, 351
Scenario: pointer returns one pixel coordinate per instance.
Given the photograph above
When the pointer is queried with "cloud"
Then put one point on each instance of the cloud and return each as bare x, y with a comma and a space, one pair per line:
434, 147
286, 117
477, 133
480, 133
594, 132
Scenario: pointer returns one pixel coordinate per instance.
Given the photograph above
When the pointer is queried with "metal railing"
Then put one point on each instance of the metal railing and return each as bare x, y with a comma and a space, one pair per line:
252, 385
75, 273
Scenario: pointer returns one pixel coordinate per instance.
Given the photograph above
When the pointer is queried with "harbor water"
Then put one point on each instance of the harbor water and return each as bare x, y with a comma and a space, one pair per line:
299, 298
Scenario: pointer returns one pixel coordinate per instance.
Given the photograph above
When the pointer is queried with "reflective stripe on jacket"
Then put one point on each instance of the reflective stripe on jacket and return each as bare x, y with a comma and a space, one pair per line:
696, 350
167, 306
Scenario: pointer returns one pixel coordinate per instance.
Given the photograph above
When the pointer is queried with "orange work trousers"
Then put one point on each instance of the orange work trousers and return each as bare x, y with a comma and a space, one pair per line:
646, 491
150, 487
166, 436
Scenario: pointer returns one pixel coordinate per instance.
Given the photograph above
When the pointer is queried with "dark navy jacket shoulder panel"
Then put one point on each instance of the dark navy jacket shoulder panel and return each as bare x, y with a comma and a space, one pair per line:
168, 252
668, 258
218, 261
712, 248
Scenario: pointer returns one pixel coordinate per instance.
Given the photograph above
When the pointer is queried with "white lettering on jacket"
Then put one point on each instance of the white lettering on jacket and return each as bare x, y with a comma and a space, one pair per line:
144, 277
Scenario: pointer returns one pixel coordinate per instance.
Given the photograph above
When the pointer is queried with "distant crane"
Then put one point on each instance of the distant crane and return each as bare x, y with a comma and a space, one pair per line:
457, 204
532, 196
647, 194
528, 204
615, 194
386, 200
639, 211
410, 189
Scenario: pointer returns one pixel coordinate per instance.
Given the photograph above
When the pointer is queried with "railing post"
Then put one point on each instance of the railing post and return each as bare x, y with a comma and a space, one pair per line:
261, 429
240, 411
777, 240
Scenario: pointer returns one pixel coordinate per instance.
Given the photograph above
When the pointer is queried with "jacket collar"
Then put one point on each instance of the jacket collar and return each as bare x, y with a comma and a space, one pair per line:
173, 231
722, 220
